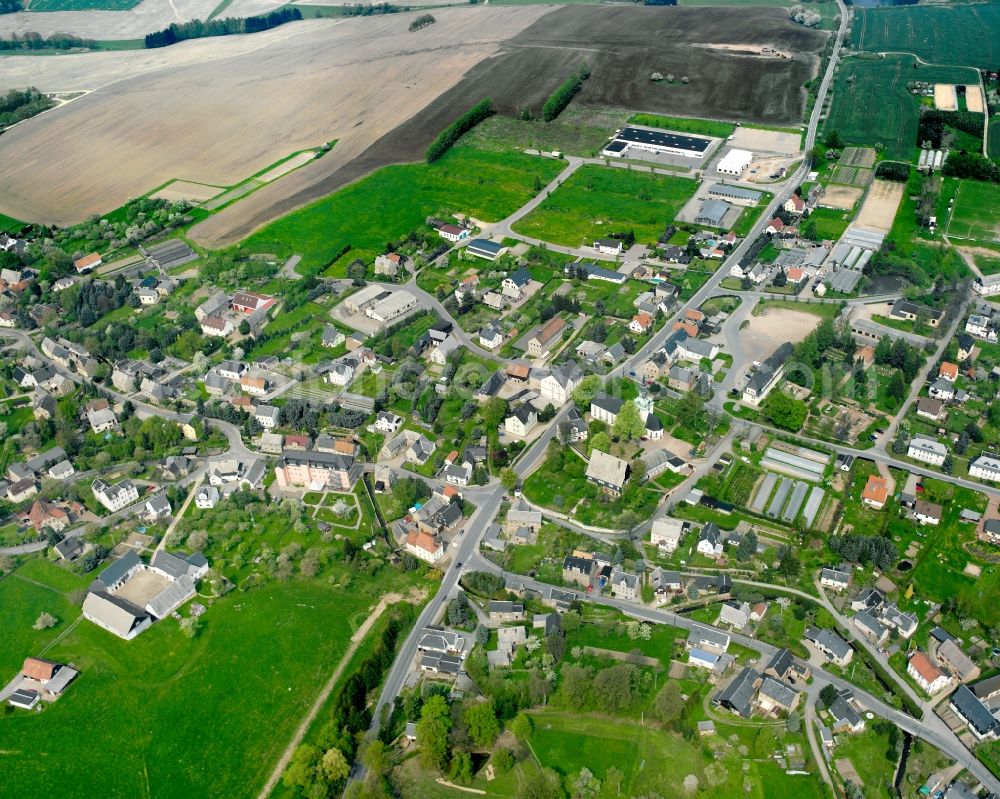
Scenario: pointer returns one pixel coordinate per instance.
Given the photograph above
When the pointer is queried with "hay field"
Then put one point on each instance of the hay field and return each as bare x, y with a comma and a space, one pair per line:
193, 114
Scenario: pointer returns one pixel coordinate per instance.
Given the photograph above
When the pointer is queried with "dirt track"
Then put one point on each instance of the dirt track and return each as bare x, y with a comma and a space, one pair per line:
215, 111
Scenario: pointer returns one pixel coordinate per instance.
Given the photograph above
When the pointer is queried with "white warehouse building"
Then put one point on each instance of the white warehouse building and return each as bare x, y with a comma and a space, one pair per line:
734, 163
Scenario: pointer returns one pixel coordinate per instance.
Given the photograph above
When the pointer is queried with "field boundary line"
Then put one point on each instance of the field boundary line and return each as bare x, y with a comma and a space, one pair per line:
62, 635
324, 694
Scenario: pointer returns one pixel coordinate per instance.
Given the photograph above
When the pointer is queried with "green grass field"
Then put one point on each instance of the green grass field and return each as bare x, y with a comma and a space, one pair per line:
955, 34
596, 201
830, 222
706, 127
871, 104
976, 214
8, 223
164, 716
994, 137
485, 185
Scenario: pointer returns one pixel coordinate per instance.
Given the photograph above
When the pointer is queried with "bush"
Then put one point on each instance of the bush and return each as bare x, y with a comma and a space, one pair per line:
446, 138
422, 22
560, 98
893, 170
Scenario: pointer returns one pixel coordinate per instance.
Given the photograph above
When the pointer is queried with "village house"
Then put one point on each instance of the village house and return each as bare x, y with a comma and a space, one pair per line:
836, 649
928, 676
666, 533
522, 421
607, 471
548, 336
875, 492
115, 497
837, 579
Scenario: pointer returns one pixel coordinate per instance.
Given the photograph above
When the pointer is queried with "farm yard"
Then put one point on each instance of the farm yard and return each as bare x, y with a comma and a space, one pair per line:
327, 88
976, 214
873, 106
956, 34
597, 201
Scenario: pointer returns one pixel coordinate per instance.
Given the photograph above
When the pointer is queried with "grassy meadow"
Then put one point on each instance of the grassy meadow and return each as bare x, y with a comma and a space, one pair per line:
163, 715
396, 200
596, 201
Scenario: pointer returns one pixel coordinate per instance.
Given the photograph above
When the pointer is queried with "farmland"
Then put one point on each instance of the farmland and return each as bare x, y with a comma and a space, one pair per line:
485, 185
872, 105
596, 201
335, 83
959, 34
159, 708
976, 214
83, 5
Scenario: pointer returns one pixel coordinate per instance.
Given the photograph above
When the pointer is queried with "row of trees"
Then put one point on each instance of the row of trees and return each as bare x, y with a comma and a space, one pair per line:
561, 97
198, 29
971, 165
321, 768
422, 22
451, 134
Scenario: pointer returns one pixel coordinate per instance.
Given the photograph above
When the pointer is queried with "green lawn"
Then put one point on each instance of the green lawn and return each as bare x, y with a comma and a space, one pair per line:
181, 717
485, 185
871, 104
597, 201
580, 132
830, 222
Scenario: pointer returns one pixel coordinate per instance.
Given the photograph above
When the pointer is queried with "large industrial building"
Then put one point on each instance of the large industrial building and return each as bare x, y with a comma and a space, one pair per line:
735, 163
655, 141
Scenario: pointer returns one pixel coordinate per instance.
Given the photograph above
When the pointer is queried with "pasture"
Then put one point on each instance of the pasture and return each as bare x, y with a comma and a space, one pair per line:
955, 34
872, 105
596, 201
165, 716
396, 200
976, 214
